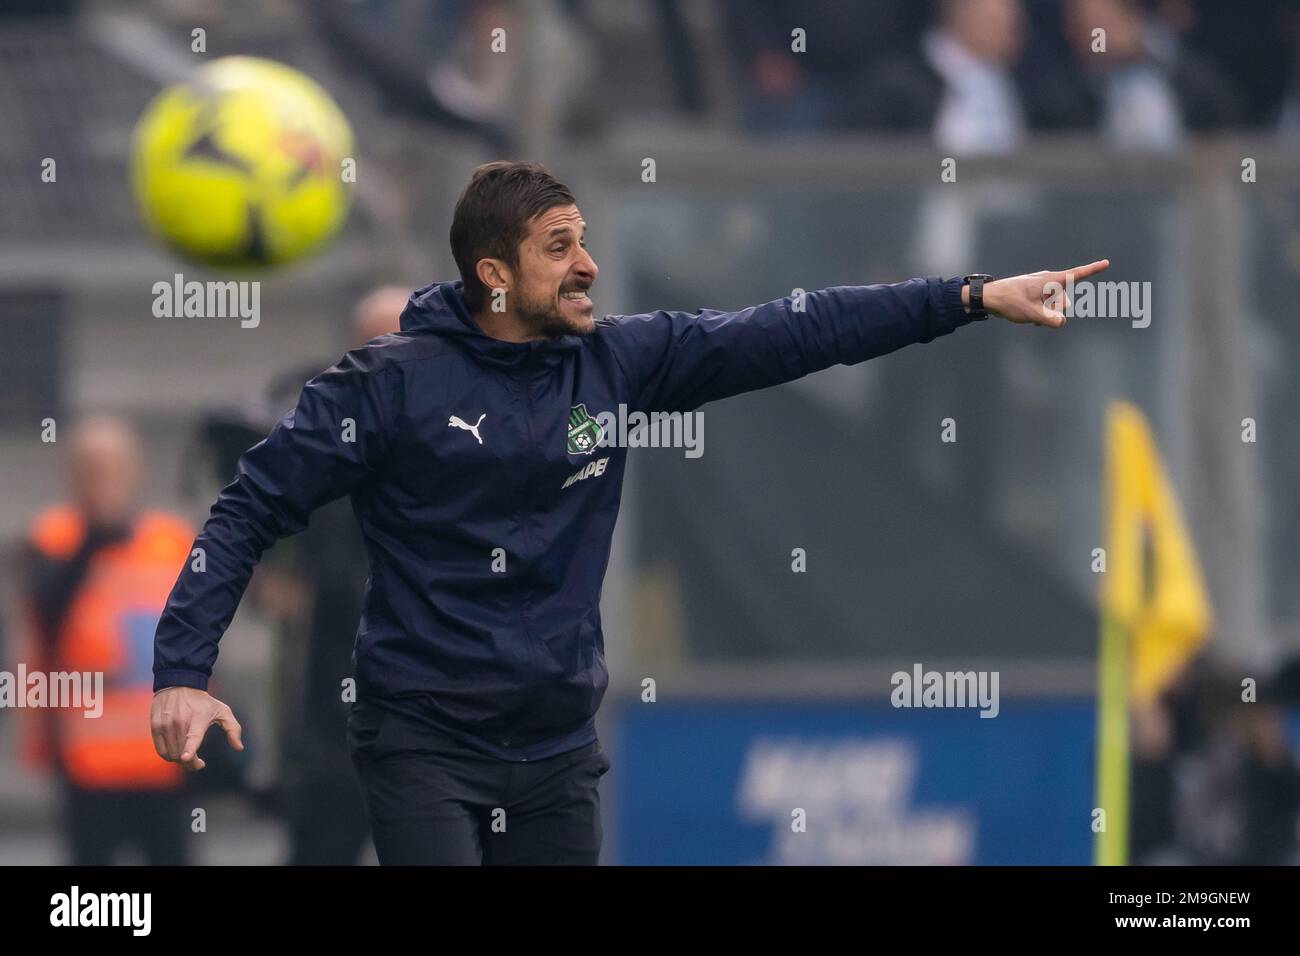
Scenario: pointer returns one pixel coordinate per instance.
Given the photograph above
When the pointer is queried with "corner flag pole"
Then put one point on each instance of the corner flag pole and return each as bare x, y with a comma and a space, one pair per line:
1154, 612
1111, 845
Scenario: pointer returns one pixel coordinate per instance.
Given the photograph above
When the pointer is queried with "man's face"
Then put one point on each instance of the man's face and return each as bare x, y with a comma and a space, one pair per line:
105, 473
991, 29
555, 271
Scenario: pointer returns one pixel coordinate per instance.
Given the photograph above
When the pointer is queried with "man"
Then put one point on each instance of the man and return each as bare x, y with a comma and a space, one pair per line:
99, 568
958, 81
461, 439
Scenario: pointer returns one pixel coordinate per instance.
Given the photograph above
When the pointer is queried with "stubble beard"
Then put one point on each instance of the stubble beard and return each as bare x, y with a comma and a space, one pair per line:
547, 320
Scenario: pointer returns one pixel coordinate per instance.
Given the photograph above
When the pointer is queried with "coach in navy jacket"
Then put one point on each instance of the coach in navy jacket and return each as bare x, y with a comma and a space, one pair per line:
483, 604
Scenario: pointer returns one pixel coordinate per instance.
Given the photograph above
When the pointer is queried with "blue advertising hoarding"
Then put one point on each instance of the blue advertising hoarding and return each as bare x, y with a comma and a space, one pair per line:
802, 782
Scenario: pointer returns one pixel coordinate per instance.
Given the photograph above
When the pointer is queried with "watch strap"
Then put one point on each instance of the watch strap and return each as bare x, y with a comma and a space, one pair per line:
976, 283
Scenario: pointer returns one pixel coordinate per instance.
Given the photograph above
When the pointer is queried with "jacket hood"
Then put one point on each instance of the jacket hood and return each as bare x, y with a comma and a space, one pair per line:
439, 308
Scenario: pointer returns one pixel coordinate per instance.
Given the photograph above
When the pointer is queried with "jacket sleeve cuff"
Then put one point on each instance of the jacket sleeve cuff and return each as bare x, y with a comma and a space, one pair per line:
950, 313
179, 678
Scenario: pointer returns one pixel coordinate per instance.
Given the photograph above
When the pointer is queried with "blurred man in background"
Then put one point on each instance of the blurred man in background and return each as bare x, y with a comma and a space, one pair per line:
1138, 84
99, 568
314, 587
971, 53
954, 79
783, 90
1215, 781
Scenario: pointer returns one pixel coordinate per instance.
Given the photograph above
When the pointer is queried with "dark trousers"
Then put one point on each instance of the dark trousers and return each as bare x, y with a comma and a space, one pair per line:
434, 801
99, 822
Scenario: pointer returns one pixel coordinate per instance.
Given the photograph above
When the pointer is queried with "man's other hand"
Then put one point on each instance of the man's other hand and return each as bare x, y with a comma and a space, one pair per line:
181, 717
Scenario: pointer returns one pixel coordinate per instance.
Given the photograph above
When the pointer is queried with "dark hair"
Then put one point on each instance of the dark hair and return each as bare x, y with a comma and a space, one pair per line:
492, 217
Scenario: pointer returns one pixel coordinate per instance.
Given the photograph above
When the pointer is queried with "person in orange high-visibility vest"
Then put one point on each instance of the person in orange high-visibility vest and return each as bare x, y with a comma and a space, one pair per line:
99, 569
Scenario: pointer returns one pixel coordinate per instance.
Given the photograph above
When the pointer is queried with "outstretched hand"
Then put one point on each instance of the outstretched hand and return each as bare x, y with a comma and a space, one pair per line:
1039, 297
180, 719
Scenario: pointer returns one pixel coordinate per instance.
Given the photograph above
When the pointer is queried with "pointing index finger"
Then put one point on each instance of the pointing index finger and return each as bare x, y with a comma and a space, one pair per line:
1091, 269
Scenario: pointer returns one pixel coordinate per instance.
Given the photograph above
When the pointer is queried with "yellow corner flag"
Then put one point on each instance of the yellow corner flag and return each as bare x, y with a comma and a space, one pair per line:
1154, 609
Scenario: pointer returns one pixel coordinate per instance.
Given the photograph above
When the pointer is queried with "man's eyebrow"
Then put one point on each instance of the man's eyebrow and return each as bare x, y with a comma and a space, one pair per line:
564, 227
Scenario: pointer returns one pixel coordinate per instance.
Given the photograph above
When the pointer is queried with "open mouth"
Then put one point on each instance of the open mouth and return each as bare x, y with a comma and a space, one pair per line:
577, 297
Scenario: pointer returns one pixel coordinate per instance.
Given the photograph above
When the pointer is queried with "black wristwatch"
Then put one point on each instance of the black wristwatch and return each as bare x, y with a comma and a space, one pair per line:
976, 282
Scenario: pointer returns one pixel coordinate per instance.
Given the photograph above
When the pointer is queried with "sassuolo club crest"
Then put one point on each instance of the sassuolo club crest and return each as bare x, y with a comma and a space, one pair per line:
584, 431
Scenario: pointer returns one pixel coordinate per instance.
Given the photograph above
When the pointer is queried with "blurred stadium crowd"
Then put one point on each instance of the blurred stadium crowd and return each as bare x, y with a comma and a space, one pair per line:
982, 76
166, 411
976, 75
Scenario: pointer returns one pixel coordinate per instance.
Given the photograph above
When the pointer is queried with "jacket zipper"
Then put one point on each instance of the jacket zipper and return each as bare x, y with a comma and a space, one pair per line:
522, 382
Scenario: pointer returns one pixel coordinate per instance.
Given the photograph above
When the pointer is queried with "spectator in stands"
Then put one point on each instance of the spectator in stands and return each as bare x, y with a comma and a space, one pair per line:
1254, 44
1288, 112
958, 84
1131, 77
824, 87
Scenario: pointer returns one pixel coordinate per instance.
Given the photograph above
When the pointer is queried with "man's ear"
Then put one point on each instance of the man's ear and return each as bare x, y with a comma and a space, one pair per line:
494, 274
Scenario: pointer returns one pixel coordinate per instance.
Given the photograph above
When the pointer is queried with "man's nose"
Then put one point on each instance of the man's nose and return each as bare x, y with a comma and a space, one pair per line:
587, 267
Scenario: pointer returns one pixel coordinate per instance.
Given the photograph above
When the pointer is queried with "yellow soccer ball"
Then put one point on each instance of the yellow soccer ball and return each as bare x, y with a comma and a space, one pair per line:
243, 165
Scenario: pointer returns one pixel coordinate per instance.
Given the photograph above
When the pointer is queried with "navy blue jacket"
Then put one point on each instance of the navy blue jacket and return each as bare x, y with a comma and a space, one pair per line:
483, 605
